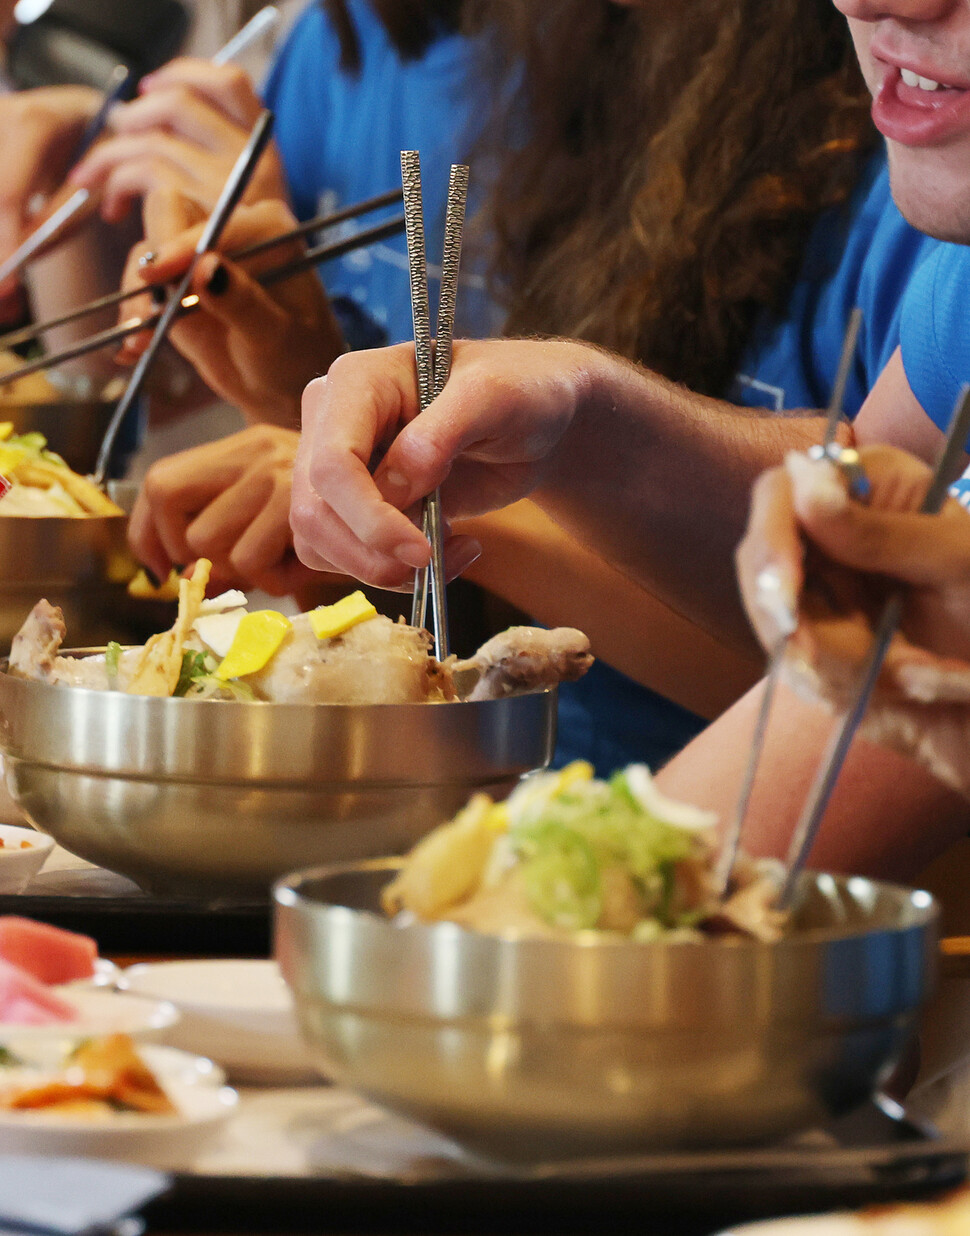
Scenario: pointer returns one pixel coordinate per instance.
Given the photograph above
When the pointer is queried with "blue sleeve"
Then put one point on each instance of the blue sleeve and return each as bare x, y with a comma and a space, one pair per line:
296, 91
935, 332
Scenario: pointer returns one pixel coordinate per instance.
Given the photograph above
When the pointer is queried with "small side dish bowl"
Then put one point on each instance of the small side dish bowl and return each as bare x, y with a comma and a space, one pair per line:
100, 1012
168, 1142
23, 851
240, 1013
532, 1049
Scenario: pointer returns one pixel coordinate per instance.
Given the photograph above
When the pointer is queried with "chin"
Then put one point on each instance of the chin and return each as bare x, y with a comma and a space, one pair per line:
934, 200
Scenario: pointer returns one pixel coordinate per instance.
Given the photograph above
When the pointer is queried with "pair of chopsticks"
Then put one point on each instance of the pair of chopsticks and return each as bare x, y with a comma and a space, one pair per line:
433, 363
232, 191
732, 840
813, 810
313, 257
120, 86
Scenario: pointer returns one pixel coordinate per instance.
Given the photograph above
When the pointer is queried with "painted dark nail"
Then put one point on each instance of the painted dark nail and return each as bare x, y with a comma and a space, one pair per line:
152, 577
159, 294
218, 281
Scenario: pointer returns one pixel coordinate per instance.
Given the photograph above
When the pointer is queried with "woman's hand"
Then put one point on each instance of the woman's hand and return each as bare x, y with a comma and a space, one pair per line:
39, 130
490, 438
184, 132
227, 501
817, 565
255, 348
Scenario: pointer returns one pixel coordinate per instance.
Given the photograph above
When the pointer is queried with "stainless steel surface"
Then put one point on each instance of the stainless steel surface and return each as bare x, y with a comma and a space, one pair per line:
83, 565
209, 796
542, 1049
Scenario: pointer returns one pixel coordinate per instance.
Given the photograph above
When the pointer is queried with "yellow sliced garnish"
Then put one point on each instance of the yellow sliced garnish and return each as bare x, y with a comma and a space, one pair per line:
10, 459
497, 818
257, 639
573, 774
330, 620
6, 429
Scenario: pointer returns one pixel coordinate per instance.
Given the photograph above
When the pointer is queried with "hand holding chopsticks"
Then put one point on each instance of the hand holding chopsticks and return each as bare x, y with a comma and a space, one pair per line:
232, 191
847, 627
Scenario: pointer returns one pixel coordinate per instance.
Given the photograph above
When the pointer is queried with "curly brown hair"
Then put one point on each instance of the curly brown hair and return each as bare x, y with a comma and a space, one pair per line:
677, 155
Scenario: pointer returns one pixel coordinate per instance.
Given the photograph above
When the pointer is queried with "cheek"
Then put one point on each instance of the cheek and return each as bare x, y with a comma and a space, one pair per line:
862, 32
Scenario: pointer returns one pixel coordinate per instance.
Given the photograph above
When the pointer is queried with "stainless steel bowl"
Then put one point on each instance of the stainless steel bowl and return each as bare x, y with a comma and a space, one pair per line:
219, 796
73, 428
536, 1049
82, 565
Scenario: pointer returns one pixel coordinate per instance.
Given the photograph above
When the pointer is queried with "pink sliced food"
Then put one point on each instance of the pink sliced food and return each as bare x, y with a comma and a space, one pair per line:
25, 1002
50, 954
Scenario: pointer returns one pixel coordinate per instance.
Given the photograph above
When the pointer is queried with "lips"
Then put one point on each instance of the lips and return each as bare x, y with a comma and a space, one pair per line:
920, 111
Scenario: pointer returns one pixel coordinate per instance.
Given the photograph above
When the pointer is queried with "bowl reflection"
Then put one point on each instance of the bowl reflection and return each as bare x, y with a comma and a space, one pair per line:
536, 1049
220, 796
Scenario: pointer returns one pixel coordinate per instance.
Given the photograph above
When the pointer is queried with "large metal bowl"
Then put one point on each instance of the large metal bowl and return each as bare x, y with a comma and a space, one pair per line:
73, 428
82, 565
217, 796
536, 1049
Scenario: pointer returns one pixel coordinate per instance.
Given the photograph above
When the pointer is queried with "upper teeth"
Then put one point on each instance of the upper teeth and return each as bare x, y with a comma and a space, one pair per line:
914, 79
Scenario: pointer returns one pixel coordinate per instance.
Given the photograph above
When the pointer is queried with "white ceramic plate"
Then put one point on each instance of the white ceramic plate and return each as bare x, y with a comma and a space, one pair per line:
238, 1012
18, 866
194, 1085
101, 1012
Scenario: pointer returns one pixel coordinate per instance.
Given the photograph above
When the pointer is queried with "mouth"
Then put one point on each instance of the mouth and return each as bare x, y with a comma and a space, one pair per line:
917, 106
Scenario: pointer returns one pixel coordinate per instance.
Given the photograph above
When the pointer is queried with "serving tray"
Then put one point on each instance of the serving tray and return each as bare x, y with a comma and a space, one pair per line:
325, 1160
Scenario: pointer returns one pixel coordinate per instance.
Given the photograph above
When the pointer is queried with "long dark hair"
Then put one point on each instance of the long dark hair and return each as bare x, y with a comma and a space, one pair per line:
676, 155
411, 25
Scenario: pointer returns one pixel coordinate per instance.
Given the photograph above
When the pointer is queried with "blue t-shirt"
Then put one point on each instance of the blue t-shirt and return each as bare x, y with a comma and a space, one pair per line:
935, 332
340, 136
935, 339
864, 254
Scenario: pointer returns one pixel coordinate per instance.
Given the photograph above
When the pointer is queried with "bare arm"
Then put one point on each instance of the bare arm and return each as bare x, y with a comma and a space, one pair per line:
650, 478
530, 561
888, 817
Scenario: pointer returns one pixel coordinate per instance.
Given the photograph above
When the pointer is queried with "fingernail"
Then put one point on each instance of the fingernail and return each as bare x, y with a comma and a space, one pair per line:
774, 598
146, 259
159, 295
393, 487
817, 484
413, 554
152, 577
218, 281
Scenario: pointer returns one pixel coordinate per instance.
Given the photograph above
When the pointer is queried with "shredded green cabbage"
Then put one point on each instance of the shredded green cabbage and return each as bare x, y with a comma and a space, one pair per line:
565, 832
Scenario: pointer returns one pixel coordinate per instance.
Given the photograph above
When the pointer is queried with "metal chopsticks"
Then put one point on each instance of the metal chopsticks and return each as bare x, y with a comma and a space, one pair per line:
732, 839
232, 191
433, 364
26, 333
119, 86
818, 799
115, 334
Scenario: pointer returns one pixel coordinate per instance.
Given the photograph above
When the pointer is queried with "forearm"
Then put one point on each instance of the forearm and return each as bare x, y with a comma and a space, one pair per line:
657, 480
888, 817
532, 562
